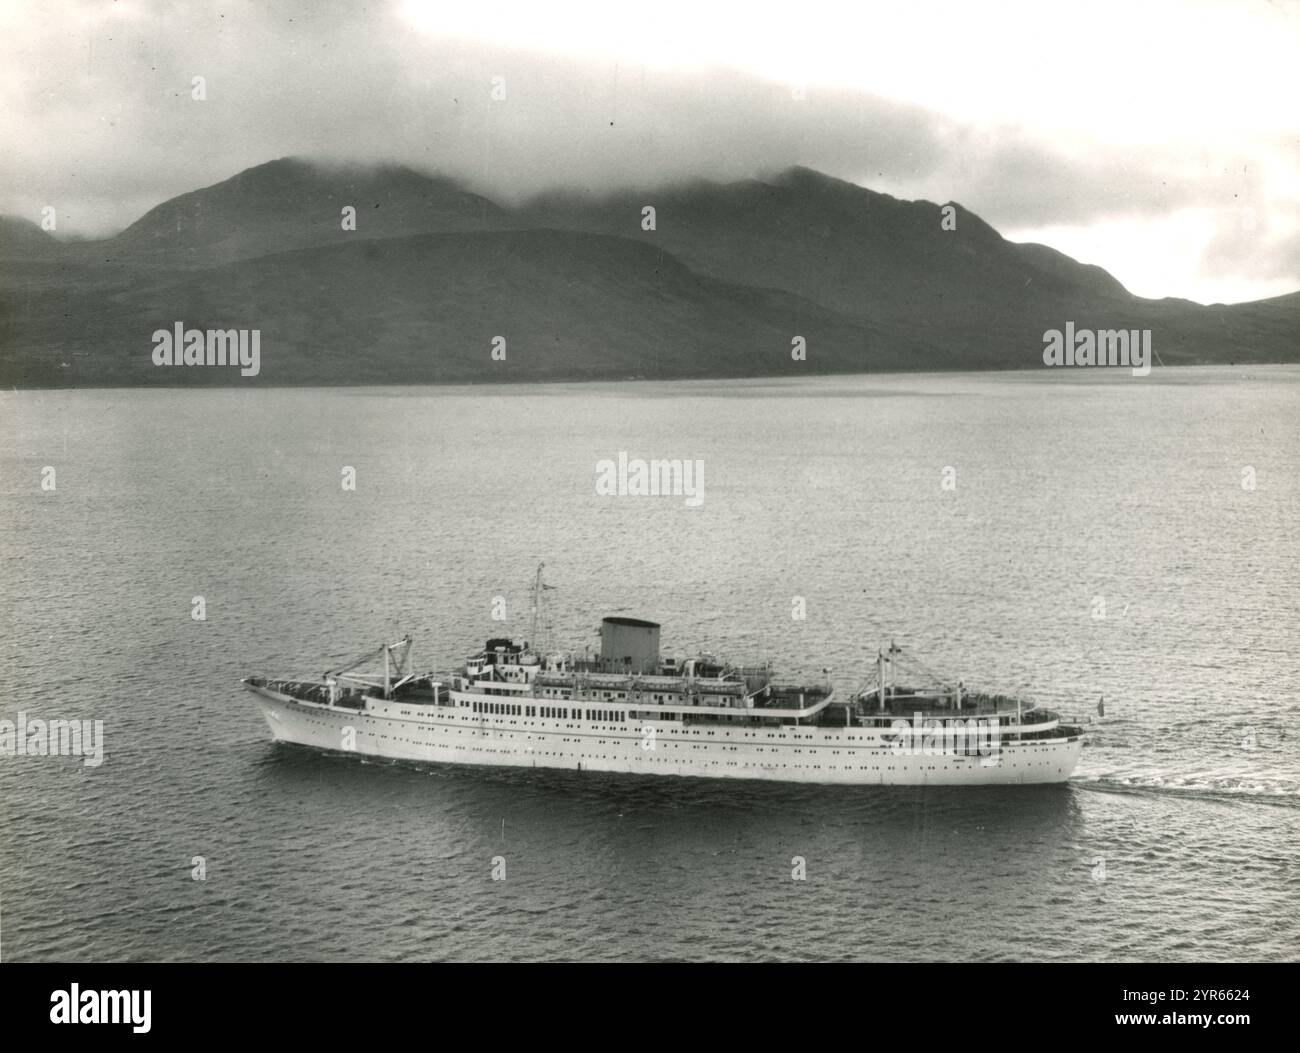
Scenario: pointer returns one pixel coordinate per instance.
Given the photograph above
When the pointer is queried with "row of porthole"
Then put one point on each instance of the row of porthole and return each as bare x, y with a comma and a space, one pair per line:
815, 767
695, 745
483, 726
601, 742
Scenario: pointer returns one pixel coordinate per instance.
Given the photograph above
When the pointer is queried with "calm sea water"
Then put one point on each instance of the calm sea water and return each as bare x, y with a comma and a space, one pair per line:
1076, 496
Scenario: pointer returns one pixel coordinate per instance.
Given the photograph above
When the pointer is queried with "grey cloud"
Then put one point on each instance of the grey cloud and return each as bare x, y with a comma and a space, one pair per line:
1247, 246
110, 129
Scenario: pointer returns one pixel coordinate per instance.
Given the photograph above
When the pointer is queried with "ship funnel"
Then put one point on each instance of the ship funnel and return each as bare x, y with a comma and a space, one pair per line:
629, 644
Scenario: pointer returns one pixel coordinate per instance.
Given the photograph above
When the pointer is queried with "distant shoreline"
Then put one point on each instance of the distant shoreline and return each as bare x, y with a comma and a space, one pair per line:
1064, 375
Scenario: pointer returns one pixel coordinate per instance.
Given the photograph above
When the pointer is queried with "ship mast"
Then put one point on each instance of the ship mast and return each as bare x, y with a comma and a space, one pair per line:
539, 624
880, 677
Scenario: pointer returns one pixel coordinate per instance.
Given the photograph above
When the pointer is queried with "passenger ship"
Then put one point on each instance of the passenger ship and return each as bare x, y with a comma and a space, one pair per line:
630, 710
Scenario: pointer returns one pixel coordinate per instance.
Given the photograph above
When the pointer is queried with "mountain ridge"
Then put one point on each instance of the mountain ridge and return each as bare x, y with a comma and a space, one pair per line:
732, 272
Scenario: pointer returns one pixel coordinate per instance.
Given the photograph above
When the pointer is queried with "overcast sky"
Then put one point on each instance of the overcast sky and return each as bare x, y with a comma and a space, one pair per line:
1159, 140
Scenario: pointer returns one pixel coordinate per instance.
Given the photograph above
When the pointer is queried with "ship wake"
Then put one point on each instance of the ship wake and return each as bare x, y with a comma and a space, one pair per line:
1231, 782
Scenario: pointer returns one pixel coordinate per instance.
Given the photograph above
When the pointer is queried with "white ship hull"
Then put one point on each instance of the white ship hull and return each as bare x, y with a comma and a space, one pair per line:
805, 754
